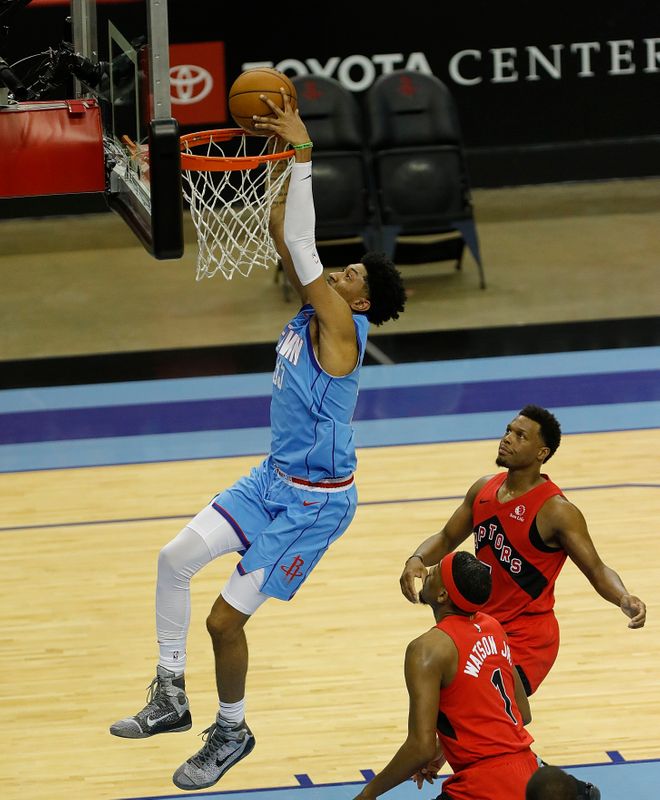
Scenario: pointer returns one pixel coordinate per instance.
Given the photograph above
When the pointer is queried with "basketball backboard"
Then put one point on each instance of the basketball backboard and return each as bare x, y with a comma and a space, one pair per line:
129, 41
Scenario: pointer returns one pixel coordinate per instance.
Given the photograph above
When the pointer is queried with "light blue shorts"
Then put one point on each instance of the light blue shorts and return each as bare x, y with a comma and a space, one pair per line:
285, 524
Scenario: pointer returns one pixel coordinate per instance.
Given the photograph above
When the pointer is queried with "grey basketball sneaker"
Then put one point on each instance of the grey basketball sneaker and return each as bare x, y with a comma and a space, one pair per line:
167, 709
224, 746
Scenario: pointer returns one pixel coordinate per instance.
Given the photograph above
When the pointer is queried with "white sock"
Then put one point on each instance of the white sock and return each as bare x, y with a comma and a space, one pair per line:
232, 712
169, 658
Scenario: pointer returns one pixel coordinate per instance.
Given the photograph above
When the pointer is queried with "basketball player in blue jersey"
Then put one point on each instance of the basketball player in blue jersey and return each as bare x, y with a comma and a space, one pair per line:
284, 515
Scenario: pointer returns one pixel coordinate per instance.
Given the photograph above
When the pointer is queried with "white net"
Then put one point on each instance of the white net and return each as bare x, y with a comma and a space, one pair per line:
230, 209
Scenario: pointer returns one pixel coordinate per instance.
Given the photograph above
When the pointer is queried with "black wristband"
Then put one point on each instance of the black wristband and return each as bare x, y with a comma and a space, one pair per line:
416, 555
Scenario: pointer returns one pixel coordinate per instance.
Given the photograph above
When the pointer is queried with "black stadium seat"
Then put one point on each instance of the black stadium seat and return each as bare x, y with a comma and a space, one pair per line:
421, 181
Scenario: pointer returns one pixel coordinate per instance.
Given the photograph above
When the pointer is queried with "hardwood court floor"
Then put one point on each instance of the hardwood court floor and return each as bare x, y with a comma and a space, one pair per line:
325, 690
552, 254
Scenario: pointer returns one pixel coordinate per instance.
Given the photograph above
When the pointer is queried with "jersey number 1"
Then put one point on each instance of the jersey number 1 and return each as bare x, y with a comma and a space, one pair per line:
498, 683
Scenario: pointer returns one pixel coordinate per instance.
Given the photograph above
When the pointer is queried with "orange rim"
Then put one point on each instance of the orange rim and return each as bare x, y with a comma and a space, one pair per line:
194, 163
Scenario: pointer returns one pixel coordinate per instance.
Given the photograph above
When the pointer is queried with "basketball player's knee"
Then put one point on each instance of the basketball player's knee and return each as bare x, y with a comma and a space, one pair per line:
168, 561
214, 626
182, 557
223, 626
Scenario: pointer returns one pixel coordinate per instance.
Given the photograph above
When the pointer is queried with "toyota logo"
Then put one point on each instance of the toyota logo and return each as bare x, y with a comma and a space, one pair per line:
189, 84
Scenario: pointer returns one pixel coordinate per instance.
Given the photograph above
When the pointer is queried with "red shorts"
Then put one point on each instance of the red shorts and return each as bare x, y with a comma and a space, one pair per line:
534, 643
500, 778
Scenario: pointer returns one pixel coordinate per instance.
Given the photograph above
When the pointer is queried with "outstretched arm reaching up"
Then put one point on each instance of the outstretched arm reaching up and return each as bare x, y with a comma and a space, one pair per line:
295, 241
276, 225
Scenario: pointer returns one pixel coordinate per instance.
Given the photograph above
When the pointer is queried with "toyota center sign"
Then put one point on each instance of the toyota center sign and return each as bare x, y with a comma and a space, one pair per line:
472, 66
545, 92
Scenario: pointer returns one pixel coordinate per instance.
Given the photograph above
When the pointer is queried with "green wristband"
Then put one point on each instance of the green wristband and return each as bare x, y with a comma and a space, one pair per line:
302, 146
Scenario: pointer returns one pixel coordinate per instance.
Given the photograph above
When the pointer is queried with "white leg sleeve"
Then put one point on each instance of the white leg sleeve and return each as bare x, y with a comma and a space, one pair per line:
178, 561
207, 536
299, 224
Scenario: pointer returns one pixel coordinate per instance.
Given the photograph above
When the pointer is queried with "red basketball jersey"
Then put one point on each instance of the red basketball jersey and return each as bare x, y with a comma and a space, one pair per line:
524, 569
477, 714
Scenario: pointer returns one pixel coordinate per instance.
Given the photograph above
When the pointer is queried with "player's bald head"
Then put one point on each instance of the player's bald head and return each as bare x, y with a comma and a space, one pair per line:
551, 783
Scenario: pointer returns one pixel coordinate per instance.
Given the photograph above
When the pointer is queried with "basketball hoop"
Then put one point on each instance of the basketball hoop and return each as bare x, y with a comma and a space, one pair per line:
230, 191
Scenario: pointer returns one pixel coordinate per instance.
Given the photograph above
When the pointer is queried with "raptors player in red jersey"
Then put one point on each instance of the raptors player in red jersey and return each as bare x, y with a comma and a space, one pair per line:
467, 703
524, 528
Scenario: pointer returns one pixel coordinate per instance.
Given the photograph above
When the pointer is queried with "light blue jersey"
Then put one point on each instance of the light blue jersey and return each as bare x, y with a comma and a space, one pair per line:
311, 411
302, 497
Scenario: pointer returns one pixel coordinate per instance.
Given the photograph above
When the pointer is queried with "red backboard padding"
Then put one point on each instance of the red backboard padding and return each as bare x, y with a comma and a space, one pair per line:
51, 147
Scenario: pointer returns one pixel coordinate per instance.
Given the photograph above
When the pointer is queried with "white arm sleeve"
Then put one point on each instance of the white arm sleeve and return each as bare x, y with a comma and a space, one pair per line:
299, 224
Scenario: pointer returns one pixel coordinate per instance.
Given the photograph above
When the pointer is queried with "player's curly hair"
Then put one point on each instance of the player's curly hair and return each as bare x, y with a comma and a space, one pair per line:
472, 577
387, 294
550, 428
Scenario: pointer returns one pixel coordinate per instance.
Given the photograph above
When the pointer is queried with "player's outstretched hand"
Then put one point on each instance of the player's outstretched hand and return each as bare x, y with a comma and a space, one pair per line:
285, 122
430, 772
413, 569
634, 608
425, 774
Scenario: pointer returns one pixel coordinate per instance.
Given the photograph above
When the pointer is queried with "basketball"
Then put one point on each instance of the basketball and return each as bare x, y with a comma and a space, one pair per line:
244, 100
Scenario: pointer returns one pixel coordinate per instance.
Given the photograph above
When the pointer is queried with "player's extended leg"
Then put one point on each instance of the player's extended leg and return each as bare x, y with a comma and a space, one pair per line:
225, 626
167, 710
269, 514
228, 739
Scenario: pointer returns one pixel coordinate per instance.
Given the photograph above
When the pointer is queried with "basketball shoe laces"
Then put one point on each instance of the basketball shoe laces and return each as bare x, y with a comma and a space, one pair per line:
215, 747
157, 694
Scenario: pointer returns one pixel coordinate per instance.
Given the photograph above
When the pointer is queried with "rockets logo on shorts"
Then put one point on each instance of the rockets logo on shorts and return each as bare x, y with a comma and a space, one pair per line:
293, 570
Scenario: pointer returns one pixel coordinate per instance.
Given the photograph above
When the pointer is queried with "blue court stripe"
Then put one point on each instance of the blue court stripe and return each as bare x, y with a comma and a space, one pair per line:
255, 442
373, 404
615, 757
636, 778
134, 420
583, 362
122, 392
483, 396
491, 424
413, 374
134, 449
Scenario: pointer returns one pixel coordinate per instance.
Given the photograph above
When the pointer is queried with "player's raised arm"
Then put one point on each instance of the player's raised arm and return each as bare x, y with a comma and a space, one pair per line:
276, 225
337, 341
